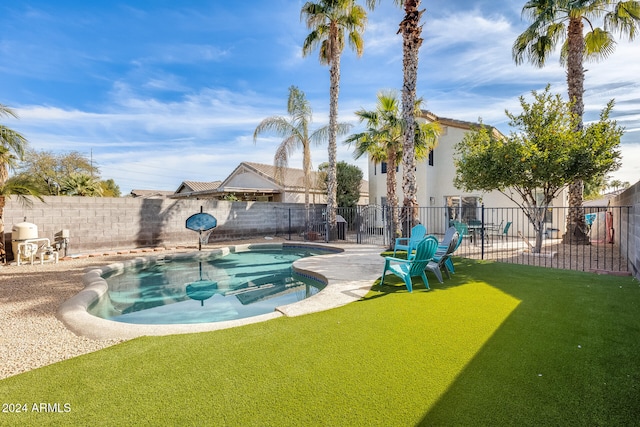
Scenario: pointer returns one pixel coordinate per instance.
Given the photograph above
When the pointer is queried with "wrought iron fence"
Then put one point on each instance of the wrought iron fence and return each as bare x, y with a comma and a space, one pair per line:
502, 234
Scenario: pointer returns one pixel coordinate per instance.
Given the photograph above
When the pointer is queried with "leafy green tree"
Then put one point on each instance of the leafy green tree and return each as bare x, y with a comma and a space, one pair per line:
382, 140
331, 23
48, 170
81, 184
109, 188
594, 187
411, 31
349, 181
545, 154
563, 21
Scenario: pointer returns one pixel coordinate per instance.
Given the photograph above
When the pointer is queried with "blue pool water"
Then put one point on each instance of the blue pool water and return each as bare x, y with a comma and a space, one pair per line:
186, 291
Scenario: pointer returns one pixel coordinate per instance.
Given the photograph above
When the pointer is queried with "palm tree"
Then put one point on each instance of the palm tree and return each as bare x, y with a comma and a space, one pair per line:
12, 146
383, 142
81, 184
411, 31
295, 131
12, 143
555, 21
331, 22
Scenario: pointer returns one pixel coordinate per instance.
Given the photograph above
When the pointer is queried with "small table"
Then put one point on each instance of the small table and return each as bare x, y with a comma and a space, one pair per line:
480, 229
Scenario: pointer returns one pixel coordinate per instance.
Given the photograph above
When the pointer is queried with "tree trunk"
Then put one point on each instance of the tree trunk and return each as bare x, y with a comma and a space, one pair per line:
3, 252
306, 165
538, 246
576, 224
411, 37
392, 197
332, 185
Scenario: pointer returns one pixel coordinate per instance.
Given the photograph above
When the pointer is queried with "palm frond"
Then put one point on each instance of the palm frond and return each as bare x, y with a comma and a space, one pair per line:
276, 124
599, 44
625, 18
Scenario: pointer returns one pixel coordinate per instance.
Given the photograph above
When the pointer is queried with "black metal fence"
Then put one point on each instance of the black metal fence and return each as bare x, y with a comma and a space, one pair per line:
490, 233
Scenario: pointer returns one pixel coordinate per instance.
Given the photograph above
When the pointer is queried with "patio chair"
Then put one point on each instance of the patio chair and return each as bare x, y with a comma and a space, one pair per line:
406, 269
448, 263
502, 234
444, 243
409, 243
463, 229
450, 234
441, 256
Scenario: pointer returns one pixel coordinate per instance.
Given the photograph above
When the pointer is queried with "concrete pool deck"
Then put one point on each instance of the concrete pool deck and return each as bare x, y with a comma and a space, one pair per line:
349, 275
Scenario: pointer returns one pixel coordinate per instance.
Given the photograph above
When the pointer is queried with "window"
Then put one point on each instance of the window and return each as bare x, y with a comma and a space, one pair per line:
383, 167
462, 208
430, 157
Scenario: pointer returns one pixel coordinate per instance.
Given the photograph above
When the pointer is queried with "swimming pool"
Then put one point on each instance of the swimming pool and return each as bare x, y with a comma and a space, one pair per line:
206, 287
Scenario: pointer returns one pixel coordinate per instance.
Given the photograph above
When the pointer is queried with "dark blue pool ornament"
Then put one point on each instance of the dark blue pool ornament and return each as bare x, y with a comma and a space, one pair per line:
202, 222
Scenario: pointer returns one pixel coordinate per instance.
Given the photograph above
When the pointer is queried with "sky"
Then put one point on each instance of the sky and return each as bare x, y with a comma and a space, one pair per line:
156, 92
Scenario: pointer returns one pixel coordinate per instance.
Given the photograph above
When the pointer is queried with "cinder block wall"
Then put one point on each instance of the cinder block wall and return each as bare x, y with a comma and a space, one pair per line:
103, 223
631, 197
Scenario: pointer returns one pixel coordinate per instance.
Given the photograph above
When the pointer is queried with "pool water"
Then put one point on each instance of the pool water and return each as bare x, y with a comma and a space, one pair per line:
186, 291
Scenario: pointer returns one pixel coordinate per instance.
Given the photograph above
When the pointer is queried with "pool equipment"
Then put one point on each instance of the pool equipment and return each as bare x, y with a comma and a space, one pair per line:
27, 246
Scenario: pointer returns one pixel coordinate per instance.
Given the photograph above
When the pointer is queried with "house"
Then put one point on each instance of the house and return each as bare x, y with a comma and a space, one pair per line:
435, 176
260, 182
192, 187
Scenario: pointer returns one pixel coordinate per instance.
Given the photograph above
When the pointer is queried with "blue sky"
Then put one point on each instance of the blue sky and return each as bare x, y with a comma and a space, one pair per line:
159, 92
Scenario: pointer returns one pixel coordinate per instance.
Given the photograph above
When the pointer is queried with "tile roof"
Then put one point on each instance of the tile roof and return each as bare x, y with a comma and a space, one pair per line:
191, 186
294, 178
461, 124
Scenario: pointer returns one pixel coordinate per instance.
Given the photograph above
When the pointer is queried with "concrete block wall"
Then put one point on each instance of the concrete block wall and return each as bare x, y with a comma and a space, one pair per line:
117, 223
631, 197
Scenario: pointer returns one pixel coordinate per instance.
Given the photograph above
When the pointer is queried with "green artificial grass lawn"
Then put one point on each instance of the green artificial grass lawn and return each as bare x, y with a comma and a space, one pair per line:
497, 344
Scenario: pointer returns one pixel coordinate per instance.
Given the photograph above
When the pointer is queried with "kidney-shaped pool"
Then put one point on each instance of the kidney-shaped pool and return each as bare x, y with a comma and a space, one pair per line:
206, 287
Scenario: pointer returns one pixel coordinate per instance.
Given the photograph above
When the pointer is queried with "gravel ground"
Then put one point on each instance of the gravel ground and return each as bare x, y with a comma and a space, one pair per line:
30, 334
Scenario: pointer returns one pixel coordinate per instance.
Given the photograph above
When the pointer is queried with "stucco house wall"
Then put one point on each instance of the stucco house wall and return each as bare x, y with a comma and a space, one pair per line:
435, 182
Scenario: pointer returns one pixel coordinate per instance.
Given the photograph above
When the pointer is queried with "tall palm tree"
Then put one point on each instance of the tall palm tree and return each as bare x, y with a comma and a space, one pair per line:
411, 31
331, 22
295, 131
563, 21
383, 142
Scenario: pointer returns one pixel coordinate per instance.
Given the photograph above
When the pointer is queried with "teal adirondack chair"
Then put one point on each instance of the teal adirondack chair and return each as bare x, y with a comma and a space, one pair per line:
409, 244
406, 269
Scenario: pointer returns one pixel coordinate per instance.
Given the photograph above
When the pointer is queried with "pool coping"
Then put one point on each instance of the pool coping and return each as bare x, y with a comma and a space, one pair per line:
349, 273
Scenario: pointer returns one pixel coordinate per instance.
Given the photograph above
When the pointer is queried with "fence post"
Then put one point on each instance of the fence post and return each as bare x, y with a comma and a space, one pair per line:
289, 224
326, 226
482, 231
